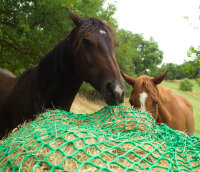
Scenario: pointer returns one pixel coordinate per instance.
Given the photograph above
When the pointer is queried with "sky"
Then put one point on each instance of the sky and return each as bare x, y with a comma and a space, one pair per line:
164, 21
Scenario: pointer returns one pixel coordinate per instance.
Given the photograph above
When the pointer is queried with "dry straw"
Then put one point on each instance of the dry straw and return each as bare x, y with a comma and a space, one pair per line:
114, 138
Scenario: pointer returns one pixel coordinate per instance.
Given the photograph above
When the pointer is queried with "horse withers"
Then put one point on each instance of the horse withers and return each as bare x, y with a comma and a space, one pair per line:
148, 95
86, 54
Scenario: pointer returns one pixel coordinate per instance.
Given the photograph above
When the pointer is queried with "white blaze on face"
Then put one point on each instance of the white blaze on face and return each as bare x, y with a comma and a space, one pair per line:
143, 97
102, 31
118, 90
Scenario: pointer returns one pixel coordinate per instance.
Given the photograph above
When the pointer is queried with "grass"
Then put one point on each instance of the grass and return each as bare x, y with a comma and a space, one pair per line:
83, 105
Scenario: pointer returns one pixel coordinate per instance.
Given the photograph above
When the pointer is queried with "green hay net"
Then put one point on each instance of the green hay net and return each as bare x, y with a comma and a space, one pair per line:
115, 138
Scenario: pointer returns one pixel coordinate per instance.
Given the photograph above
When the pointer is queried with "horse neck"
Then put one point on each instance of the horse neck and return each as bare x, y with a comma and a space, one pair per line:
57, 79
162, 112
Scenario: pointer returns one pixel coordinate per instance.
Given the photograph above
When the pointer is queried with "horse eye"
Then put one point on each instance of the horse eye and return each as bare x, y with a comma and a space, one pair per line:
87, 42
155, 102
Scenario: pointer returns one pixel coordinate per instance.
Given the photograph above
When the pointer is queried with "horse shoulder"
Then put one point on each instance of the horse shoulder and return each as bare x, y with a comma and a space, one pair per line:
187, 112
7, 80
7, 73
22, 102
170, 112
184, 103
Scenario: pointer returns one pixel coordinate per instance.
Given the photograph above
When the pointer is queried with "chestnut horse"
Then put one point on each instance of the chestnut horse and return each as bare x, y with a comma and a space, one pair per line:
165, 107
86, 54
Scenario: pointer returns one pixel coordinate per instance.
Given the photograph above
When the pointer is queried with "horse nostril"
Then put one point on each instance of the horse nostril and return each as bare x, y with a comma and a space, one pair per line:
155, 104
110, 88
130, 101
109, 85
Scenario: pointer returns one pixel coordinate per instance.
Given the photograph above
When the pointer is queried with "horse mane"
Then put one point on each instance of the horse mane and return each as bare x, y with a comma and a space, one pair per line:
164, 93
89, 26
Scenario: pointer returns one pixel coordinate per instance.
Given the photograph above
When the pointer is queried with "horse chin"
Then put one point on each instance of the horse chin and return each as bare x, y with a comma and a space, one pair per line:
111, 101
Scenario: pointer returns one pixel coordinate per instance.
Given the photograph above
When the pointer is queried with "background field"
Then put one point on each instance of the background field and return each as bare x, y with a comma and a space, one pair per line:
83, 105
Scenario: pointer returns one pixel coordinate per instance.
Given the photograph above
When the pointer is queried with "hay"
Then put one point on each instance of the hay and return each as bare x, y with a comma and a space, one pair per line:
114, 138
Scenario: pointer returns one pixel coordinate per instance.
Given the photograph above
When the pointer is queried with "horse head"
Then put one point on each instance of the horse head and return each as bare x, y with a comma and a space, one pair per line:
145, 95
94, 46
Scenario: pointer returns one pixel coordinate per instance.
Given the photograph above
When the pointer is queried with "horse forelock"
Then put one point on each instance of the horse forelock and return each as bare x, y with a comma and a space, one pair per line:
90, 26
142, 82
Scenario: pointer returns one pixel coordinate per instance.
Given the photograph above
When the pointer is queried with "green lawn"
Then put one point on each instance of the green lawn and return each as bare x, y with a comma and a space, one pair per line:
193, 97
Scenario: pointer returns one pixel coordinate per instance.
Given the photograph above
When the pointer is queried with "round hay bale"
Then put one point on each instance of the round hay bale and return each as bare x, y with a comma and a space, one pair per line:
114, 138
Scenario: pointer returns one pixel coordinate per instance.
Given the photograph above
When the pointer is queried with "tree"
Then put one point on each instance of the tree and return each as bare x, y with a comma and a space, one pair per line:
149, 55
136, 54
126, 51
172, 73
193, 68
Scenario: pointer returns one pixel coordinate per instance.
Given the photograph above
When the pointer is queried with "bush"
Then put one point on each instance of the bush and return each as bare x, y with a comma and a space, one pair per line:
198, 81
186, 85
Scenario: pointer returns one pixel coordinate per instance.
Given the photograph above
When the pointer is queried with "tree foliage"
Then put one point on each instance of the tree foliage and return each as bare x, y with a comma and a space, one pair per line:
175, 71
125, 52
186, 85
136, 55
193, 67
149, 55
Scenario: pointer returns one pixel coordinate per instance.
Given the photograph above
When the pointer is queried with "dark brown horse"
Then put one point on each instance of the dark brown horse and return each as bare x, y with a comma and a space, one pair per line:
86, 54
168, 108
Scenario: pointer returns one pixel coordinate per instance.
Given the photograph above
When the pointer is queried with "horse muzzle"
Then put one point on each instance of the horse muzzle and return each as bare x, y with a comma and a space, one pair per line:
113, 93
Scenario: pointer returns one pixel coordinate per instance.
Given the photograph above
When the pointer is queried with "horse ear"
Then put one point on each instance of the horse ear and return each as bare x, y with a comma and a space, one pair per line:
129, 79
75, 18
157, 80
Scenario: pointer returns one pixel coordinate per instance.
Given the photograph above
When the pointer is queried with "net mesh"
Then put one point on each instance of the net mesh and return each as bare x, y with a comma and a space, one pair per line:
115, 138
